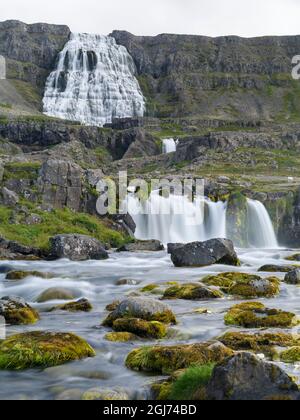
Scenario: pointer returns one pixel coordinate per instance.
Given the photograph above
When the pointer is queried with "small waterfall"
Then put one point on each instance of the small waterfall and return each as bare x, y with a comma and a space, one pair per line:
176, 219
169, 146
93, 83
261, 231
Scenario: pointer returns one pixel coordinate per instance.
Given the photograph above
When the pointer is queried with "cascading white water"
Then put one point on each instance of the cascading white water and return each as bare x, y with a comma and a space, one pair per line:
176, 219
169, 146
261, 231
93, 83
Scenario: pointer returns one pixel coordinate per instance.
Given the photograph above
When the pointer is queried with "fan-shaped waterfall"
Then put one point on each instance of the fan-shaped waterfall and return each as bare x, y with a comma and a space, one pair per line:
176, 219
94, 82
169, 146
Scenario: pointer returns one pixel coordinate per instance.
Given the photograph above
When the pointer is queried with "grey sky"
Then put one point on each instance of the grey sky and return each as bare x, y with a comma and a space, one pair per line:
151, 17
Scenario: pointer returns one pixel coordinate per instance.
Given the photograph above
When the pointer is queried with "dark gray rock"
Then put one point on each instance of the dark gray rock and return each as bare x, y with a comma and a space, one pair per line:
137, 246
245, 377
77, 248
293, 277
9, 198
172, 247
12, 250
200, 254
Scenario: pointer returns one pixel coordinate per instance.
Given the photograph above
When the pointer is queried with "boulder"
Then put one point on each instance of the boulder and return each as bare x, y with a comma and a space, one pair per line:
191, 291
9, 198
245, 377
270, 268
143, 308
21, 275
56, 293
201, 254
77, 248
293, 277
172, 247
81, 305
98, 394
141, 328
137, 246
17, 312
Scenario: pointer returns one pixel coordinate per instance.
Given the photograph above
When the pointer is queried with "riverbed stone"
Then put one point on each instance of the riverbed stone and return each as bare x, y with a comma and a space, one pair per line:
56, 293
21, 275
245, 376
81, 305
42, 349
77, 248
141, 328
143, 308
295, 257
291, 355
201, 254
17, 312
121, 337
272, 268
293, 277
166, 359
244, 285
256, 315
191, 291
140, 246
99, 394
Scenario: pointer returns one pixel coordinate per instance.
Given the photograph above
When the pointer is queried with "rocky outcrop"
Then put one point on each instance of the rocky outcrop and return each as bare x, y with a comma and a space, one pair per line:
14, 251
246, 377
200, 254
77, 248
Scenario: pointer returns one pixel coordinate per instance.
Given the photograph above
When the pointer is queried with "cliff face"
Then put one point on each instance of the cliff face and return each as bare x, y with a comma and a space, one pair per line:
226, 77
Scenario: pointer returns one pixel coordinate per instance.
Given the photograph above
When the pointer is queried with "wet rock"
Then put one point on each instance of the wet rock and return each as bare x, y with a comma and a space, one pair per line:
112, 306
293, 277
166, 359
149, 288
140, 327
191, 292
270, 268
200, 254
8, 198
82, 305
77, 248
173, 247
41, 350
127, 282
143, 308
137, 246
69, 395
245, 285
246, 377
256, 315
4, 269
12, 250
98, 394
21, 275
295, 257
17, 312
121, 337
55, 293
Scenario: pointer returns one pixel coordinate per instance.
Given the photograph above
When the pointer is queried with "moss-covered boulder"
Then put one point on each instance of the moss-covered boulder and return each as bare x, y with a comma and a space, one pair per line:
191, 291
141, 328
259, 342
292, 355
17, 312
56, 293
244, 285
112, 306
149, 288
271, 268
81, 305
42, 350
121, 337
21, 275
293, 277
295, 257
142, 308
256, 315
165, 359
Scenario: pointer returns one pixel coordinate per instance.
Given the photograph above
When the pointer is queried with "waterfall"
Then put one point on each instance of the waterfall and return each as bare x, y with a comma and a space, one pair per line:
93, 83
169, 146
261, 231
176, 219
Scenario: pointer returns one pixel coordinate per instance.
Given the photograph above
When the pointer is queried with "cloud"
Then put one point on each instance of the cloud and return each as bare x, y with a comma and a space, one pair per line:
150, 17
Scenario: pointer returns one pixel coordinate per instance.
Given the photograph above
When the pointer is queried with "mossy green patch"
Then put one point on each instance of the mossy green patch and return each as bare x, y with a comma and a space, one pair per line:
21, 316
121, 337
21, 275
191, 291
291, 355
149, 288
141, 328
82, 305
42, 350
256, 315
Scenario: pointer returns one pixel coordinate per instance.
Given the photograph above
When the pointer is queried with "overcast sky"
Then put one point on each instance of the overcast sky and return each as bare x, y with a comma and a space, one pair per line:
151, 17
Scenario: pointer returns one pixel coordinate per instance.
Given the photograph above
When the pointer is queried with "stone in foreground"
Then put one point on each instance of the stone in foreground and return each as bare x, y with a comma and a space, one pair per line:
77, 248
137, 246
191, 291
245, 377
201, 254
81, 305
143, 308
42, 350
141, 328
17, 312
164, 359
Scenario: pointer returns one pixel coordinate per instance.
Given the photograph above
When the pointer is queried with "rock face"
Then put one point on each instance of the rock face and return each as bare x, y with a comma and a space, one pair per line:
9, 198
200, 254
13, 250
77, 248
151, 246
246, 377
237, 220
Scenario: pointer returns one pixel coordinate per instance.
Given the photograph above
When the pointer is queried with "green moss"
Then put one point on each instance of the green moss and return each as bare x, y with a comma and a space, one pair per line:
191, 292
245, 285
120, 337
291, 355
256, 315
82, 305
21, 170
141, 328
21, 275
5, 106
295, 257
191, 384
41, 350
149, 288
169, 359
21, 316
276, 269
165, 317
